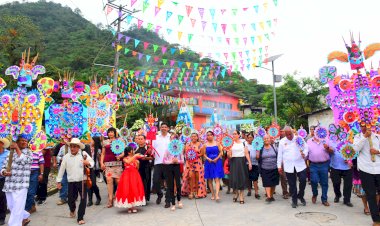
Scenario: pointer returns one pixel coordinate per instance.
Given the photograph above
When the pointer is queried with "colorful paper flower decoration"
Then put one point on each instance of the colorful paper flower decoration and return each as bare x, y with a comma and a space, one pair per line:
376, 81
337, 133
38, 142
347, 151
186, 131
175, 147
261, 132
217, 130
274, 131
302, 133
124, 132
191, 155
300, 143
327, 73
321, 132
349, 117
117, 146
184, 139
345, 84
133, 145
258, 143
227, 141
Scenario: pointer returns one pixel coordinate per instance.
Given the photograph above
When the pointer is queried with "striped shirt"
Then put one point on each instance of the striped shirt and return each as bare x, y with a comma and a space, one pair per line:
38, 158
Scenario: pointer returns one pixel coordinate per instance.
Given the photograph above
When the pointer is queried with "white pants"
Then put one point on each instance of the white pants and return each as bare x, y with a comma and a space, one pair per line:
16, 205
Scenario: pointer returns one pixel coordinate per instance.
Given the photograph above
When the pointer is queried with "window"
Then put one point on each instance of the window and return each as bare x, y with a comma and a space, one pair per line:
225, 105
209, 104
193, 101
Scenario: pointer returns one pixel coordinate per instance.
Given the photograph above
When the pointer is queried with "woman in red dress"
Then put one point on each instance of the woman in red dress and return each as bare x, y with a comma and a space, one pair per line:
130, 191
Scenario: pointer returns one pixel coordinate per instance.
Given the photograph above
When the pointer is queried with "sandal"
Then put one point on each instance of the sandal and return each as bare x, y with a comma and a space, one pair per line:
234, 199
241, 201
173, 208
72, 214
25, 222
367, 212
191, 196
180, 205
110, 204
129, 211
134, 211
81, 222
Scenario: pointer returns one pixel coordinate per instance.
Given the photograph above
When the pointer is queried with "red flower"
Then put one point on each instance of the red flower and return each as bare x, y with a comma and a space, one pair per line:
345, 84
349, 117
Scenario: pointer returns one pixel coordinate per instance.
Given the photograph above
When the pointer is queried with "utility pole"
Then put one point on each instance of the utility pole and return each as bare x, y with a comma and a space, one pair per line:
122, 14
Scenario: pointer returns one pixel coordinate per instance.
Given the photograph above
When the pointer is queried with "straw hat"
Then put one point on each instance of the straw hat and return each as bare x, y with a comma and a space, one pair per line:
6, 142
76, 141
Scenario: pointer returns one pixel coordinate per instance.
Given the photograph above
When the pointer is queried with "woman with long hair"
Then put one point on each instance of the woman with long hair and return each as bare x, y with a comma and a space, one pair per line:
238, 155
193, 183
111, 164
213, 165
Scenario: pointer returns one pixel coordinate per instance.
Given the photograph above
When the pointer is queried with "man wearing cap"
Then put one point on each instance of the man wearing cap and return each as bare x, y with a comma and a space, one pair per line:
73, 163
17, 182
367, 144
4, 144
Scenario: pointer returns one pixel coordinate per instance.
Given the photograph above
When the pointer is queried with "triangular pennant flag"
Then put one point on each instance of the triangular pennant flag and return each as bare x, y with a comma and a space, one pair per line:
269, 23
243, 26
136, 42
163, 49
201, 12
146, 45
156, 10
256, 7
189, 37
180, 63
168, 15
253, 40
169, 31
140, 55
127, 38
262, 24
150, 26
223, 11
224, 26
234, 27
180, 18
139, 23
129, 19
212, 12
134, 53
172, 50
119, 36
126, 51
253, 25
195, 65
228, 41
188, 64
260, 38
188, 10
159, 3
234, 11
245, 40
156, 58
226, 55
204, 25
265, 4
266, 36
237, 41
181, 51
145, 5
164, 61
133, 2
155, 47
234, 55
118, 48
172, 63
193, 22
158, 29
147, 58
108, 9
241, 54
275, 2
179, 35
215, 26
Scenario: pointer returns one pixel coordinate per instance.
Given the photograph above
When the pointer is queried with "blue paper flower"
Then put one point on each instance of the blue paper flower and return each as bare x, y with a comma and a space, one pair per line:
227, 141
117, 147
258, 143
191, 155
175, 147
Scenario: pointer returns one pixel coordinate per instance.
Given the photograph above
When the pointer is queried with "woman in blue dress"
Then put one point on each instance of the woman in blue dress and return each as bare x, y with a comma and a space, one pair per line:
213, 164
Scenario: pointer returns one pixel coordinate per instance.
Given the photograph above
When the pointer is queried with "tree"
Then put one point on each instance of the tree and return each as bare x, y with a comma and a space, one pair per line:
295, 98
264, 119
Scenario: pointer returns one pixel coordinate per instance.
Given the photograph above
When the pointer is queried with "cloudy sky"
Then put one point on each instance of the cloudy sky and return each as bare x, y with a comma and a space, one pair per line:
306, 31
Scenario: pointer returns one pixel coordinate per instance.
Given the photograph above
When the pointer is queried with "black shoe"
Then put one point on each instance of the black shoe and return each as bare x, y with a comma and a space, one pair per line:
336, 199
89, 203
97, 203
167, 205
158, 201
2, 222
257, 196
294, 205
303, 202
249, 193
272, 199
349, 204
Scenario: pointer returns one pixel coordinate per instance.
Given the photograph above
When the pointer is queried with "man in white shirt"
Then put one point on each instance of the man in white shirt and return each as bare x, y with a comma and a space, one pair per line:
367, 144
161, 145
293, 161
73, 163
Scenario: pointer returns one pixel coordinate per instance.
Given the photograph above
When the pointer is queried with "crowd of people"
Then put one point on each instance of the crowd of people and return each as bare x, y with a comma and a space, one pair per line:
195, 172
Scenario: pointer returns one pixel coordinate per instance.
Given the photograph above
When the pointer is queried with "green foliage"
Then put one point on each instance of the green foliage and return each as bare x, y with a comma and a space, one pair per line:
265, 120
295, 98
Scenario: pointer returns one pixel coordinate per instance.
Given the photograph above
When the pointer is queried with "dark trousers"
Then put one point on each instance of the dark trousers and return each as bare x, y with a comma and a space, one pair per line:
284, 184
75, 189
292, 181
336, 178
319, 173
172, 174
42, 185
94, 189
158, 174
3, 200
370, 184
146, 177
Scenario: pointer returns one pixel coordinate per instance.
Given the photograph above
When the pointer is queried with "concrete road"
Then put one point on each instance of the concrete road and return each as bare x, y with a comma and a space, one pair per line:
207, 212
